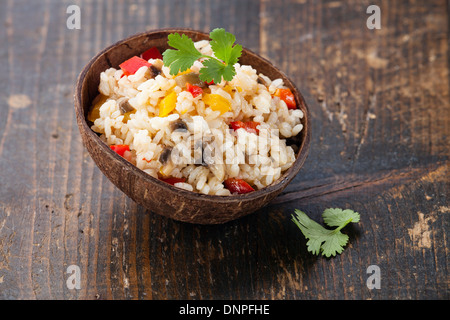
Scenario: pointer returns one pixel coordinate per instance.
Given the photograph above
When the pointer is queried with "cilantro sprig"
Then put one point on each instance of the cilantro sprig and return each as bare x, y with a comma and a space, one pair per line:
216, 68
321, 240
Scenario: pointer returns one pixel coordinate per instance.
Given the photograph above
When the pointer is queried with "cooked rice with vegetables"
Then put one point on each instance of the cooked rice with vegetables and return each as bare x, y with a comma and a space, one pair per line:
220, 136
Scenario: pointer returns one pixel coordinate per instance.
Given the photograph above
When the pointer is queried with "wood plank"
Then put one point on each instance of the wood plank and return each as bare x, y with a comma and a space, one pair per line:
380, 109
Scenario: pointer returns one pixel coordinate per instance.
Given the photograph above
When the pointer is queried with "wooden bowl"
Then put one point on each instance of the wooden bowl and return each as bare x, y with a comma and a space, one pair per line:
153, 194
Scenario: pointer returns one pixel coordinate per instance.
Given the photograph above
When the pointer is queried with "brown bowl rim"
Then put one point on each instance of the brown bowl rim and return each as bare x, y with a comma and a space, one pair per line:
277, 185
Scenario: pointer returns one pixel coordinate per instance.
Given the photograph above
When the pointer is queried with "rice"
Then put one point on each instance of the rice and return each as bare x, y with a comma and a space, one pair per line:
203, 150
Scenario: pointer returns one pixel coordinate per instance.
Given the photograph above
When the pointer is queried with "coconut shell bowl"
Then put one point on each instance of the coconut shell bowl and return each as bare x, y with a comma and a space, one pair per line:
153, 194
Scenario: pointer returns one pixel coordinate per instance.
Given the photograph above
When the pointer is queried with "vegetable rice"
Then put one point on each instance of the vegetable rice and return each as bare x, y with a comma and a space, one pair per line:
196, 136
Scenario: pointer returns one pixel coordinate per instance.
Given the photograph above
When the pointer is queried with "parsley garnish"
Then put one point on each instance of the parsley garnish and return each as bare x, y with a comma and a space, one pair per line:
322, 240
214, 68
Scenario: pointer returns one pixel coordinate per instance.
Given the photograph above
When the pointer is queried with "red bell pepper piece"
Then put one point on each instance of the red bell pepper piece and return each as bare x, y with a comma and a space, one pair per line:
210, 83
132, 65
237, 186
287, 96
194, 90
237, 125
249, 126
120, 149
172, 181
152, 53
127, 155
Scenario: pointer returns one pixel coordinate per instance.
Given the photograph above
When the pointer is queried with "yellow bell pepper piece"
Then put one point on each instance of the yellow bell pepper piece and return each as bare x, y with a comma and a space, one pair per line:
216, 102
95, 112
168, 104
126, 116
184, 72
228, 88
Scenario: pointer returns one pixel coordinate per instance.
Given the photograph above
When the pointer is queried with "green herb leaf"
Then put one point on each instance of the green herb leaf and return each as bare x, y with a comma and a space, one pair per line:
216, 68
334, 243
222, 44
182, 59
337, 217
311, 230
322, 240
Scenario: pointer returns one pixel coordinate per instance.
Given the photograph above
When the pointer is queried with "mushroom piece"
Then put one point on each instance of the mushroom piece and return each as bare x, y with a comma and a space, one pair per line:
191, 77
165, 155
166, 161
178, 125
208, 155
124, 106
154, 71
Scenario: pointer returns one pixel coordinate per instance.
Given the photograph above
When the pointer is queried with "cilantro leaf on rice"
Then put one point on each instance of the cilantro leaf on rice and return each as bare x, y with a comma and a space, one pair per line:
215, 68
222, 44
182, 59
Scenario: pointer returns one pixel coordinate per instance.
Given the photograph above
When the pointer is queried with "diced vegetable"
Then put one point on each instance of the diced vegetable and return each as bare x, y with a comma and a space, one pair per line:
127, 155
178, 125
172, 181
165, 155
287, 96
152, 72
133, 64
210, 83
168, 104
152, 53
228, 89
126, 116
95, 111
194, 90
237, 125
191, 77
237, 186
184, 72
120, 149
217, 102
124, 106
249, 126
167, 164
126, 109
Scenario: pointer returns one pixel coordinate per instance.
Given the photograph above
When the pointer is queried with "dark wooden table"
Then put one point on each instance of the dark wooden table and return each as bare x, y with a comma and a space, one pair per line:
379, 101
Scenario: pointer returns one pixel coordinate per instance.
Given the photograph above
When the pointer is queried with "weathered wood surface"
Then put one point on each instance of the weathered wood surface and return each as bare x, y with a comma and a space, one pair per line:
380, 110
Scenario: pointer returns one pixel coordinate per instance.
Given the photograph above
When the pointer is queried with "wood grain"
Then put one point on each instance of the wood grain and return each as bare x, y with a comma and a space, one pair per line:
379, 102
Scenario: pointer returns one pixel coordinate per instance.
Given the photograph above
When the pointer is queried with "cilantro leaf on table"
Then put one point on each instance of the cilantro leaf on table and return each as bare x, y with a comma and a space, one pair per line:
337, 217
216, 68
321, 240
